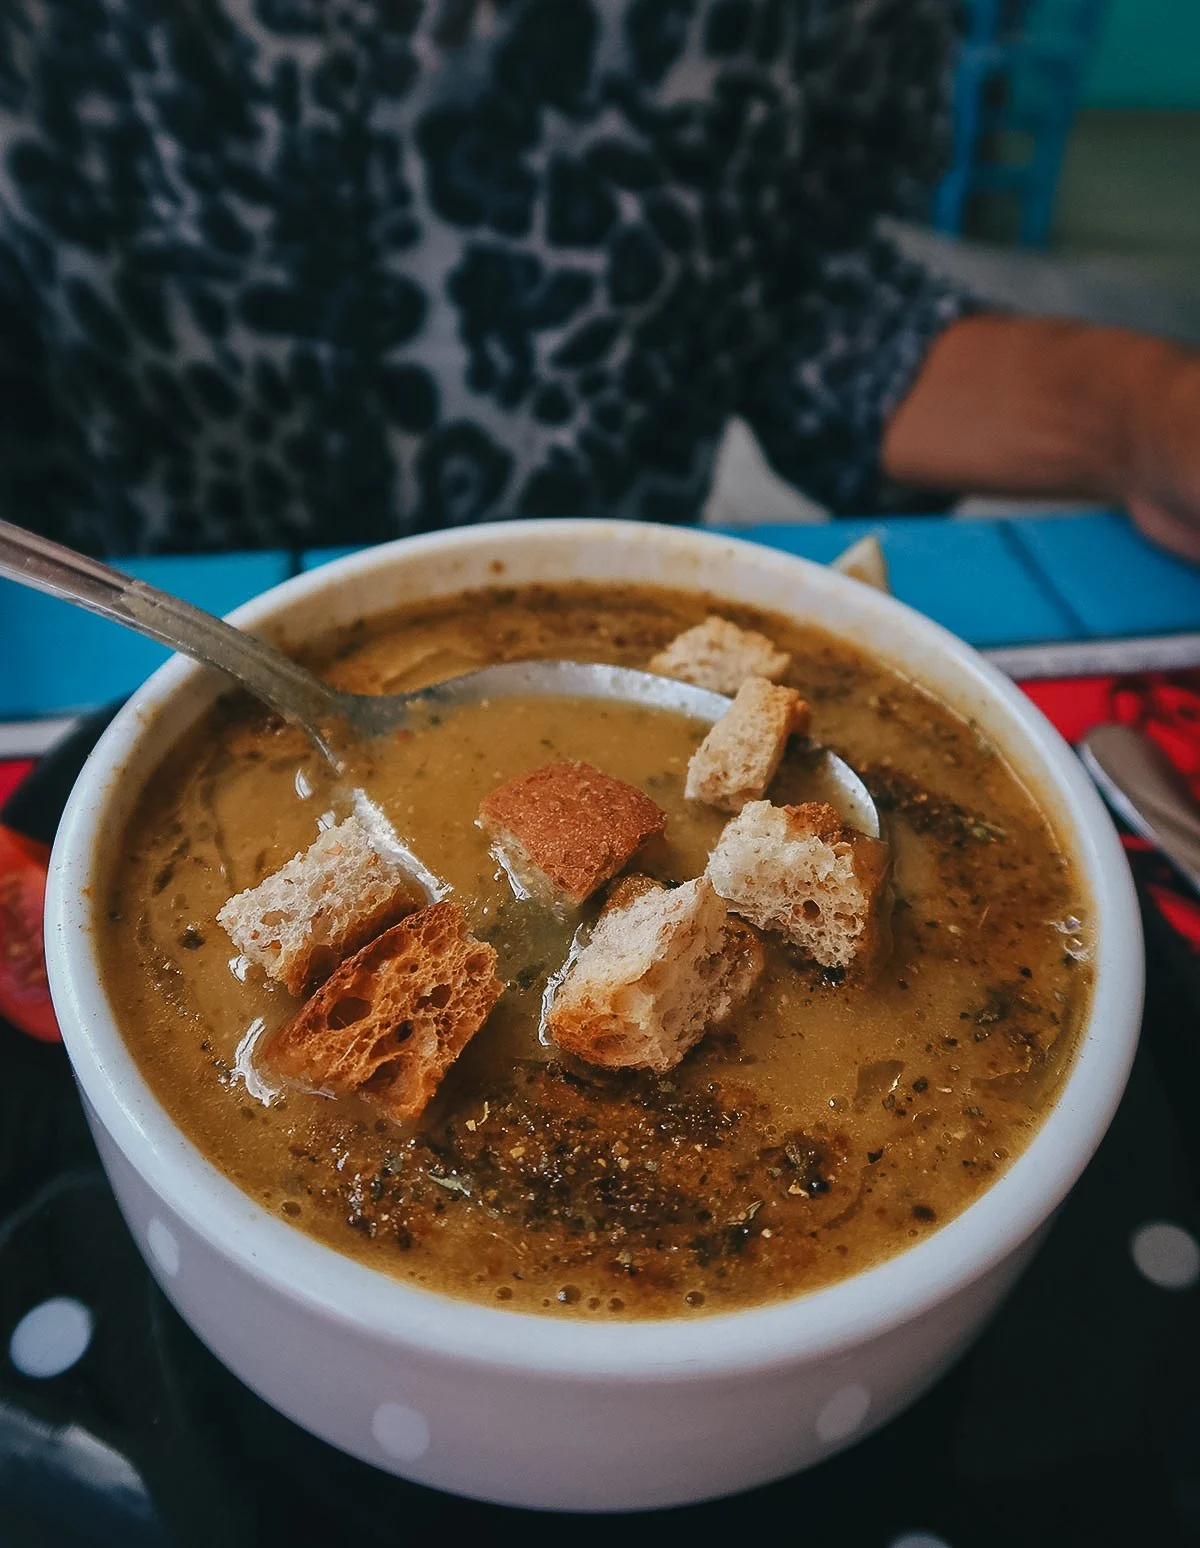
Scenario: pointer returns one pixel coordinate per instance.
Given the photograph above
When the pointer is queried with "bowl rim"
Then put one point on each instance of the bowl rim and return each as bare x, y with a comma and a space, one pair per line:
813, 1324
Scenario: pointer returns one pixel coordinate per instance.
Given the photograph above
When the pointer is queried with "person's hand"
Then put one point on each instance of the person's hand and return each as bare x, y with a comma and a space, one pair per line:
1162, 490
1030, 407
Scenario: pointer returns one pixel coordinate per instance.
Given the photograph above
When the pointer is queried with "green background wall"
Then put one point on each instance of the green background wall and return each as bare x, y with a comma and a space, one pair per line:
1148, 56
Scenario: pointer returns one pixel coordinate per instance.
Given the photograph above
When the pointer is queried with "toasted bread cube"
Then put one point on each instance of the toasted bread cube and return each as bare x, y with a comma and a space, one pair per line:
564, 829
801, 871
739, 757
661, 968
717, 654
864, 561
319, 908
392, 1020
627, 889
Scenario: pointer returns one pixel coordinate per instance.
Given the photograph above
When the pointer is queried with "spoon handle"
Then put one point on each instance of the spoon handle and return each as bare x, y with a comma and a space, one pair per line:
1141, 786
267, 673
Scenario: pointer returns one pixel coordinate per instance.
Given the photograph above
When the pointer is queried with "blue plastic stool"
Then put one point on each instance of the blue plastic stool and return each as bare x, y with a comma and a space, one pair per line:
1020, 72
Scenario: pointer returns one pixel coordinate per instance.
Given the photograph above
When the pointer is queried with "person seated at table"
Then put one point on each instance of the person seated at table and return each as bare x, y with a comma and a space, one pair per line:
290, 272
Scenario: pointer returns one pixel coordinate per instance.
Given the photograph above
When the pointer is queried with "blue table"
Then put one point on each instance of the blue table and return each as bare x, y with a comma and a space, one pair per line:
1027, 580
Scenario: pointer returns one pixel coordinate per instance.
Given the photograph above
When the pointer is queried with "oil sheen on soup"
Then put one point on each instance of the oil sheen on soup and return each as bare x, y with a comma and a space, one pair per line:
827, 1125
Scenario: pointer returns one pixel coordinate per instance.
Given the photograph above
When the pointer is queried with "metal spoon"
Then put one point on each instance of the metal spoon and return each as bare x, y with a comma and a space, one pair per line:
1143, 787
335, 720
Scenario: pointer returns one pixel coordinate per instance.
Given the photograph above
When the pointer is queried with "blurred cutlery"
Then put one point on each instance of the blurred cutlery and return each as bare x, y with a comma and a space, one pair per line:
1146, 791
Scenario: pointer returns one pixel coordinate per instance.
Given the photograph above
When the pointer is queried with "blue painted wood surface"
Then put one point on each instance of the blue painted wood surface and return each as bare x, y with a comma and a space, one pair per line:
1112, 579
55, 658
314, 558
995, 582
965, 574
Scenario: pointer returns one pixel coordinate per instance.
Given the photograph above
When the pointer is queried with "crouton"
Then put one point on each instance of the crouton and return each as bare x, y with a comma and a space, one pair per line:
562, 830
320, 907
392, 1020
718, 655
799, 870
738, 758
864, 561
627, 889
657, 973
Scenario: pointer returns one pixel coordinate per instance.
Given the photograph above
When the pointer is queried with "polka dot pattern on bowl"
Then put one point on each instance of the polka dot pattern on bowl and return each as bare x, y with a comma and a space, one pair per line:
401, 1432
163, 1246
843, 1413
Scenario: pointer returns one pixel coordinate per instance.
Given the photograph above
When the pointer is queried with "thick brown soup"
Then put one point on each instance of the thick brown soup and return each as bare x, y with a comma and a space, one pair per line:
827, 1126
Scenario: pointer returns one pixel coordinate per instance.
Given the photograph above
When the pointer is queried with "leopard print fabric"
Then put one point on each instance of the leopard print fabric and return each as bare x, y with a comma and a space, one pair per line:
286, 272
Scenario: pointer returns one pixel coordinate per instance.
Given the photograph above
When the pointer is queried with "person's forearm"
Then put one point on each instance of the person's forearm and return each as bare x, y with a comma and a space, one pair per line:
1032, 406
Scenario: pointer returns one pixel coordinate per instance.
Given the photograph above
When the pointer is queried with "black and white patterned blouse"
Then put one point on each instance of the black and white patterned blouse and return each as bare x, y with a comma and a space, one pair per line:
328, 271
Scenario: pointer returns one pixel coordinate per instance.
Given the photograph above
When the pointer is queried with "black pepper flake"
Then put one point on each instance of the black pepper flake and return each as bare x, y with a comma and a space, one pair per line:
873, 1156
920, 1084
191, 939
923, 1212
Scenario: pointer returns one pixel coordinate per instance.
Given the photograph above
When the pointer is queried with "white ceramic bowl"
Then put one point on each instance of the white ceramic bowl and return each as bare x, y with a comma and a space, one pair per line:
550, 1412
